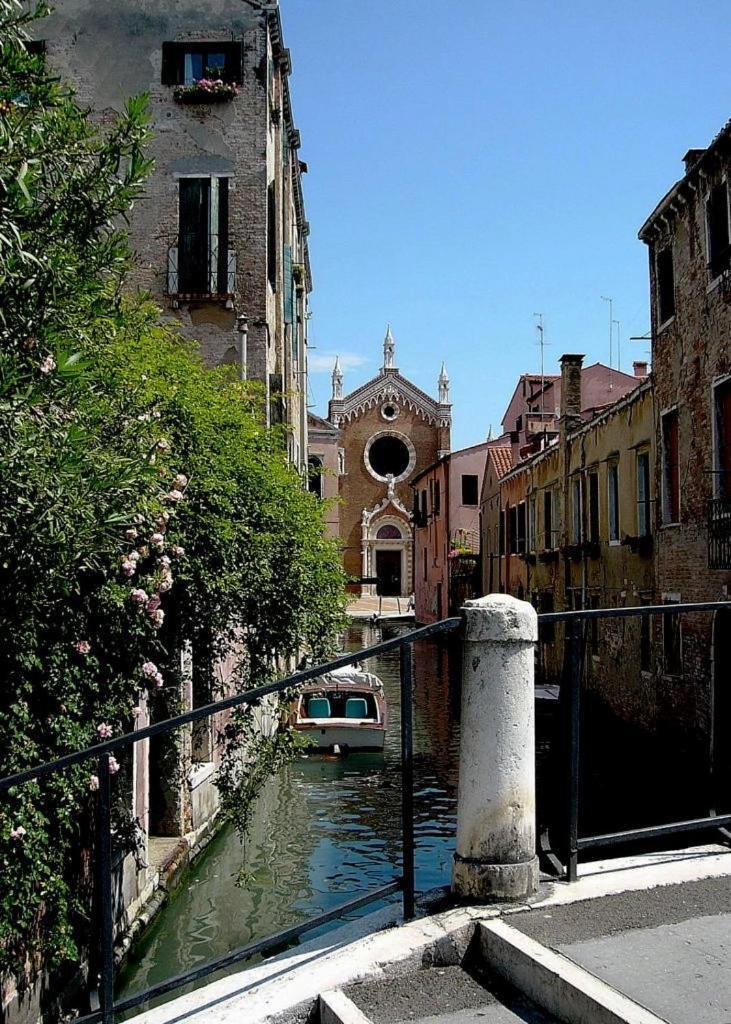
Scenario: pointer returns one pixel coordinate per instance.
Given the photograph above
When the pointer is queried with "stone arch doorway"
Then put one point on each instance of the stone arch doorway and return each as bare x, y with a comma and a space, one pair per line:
387, 556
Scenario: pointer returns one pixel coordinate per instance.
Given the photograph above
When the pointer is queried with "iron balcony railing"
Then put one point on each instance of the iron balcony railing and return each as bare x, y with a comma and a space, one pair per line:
719, 533
201, 265
101, 996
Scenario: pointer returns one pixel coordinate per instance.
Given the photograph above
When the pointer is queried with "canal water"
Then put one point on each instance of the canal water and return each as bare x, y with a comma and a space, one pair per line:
325, 830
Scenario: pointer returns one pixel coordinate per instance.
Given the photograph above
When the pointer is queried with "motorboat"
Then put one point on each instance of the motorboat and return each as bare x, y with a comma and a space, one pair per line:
342, 710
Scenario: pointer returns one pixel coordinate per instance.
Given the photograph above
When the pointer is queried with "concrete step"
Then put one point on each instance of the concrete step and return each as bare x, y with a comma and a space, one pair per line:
438, 995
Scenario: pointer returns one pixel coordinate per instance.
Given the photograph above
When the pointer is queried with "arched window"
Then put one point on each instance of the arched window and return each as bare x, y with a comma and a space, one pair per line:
314, 483
389, 532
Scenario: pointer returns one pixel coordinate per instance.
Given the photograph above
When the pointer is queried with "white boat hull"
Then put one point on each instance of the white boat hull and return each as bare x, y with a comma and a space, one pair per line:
325, 737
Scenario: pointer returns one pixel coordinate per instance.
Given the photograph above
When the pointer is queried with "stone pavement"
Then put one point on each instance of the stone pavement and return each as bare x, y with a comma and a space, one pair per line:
668, 948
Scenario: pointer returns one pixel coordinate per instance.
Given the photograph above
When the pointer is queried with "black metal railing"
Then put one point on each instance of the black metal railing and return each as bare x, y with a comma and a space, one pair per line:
201, 264
102, 1002
719, 533
576, 643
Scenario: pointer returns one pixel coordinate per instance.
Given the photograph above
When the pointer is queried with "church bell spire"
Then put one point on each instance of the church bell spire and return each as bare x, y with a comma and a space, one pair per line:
389, 350
443, 386
337, 379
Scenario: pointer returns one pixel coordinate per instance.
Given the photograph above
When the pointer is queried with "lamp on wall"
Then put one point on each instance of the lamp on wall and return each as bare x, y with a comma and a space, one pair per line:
242, 327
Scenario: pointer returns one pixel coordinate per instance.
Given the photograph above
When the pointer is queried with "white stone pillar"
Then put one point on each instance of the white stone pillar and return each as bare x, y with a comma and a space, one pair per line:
496, 812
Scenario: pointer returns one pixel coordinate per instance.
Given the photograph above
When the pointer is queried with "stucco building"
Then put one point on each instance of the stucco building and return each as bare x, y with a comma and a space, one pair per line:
446, 532
221, 229
389, 430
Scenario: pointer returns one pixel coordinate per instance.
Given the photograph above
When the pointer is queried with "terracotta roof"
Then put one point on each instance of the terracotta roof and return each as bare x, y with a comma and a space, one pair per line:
501, 460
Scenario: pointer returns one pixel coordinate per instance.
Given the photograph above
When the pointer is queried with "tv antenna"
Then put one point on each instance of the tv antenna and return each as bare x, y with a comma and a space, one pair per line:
542, 345
605, 298
619, 355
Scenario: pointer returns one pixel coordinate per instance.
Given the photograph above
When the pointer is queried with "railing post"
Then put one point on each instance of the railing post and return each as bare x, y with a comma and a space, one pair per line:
104, 883
407, 778
496, 811
574, 641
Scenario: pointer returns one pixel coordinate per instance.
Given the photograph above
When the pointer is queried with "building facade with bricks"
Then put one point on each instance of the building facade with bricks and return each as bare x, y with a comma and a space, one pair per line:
389, 431
688, 236
323, 463
220, 231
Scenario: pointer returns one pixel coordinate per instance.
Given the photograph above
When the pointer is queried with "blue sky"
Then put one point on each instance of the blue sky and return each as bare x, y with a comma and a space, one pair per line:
474, 163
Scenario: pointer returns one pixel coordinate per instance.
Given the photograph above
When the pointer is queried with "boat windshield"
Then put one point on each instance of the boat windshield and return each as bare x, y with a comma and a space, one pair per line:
339, 704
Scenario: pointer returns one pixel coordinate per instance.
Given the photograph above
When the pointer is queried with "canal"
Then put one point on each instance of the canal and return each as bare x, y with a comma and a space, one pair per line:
325, 829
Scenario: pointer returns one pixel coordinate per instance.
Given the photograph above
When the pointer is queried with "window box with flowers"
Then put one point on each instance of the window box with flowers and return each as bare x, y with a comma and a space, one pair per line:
206, 90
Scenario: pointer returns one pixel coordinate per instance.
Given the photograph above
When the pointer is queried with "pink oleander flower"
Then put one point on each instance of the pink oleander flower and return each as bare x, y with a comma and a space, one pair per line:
139, 596
47, 365
174, 495
150, 669
131, 534
143, 550
82, 646
133, 556
176, 551
164, 517
137, 711
153, 604
158, 618
17, 833
180, 481
93, 783
163, 445
128, 568
104, 730
157, 540
165, 584
113, 765
164, 561
158, 680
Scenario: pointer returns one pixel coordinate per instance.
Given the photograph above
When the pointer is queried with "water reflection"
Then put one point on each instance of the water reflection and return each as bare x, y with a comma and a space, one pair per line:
325, 829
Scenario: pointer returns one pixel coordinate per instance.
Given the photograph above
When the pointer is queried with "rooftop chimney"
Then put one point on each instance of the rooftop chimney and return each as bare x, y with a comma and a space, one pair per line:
571, 385
639, 368
515, 447
692, 157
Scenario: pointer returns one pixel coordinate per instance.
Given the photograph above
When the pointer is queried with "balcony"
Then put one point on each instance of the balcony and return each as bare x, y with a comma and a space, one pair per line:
719, 533
201, 266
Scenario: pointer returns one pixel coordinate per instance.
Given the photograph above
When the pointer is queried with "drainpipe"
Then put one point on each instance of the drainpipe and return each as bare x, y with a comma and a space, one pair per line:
496, 808
242, 326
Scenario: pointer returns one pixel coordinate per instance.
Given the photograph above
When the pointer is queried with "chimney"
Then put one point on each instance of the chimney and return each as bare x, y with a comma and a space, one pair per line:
571, 386
692, 157
514, 447
639, 368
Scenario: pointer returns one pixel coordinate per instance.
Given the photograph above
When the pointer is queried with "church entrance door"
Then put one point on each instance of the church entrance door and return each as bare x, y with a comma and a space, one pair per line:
388, 571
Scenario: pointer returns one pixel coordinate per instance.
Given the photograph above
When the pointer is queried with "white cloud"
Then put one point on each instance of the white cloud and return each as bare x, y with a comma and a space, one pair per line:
323, 362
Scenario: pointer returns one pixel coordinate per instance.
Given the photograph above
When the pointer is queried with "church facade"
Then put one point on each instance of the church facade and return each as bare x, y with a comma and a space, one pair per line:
389, 431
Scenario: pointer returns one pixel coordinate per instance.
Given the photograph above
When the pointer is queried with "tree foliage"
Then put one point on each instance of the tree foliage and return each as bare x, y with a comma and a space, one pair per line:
142, 503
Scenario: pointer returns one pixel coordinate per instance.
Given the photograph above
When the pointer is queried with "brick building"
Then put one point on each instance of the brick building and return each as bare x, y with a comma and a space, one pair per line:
221, 229
688, 236
389, 430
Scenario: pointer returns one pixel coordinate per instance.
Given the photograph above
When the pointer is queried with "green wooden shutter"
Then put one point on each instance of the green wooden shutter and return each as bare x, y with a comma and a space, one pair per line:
288, 288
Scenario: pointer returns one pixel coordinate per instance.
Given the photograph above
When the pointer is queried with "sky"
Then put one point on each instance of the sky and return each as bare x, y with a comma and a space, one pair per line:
474, 163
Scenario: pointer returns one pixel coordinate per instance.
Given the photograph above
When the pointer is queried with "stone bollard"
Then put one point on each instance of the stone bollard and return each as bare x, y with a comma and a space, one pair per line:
496, 808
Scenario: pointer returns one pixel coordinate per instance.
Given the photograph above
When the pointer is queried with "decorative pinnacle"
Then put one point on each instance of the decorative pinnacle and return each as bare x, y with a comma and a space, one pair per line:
389, 349
337, 379
443, 386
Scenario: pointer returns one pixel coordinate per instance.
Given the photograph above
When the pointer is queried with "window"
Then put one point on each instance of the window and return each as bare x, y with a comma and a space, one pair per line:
717, 229
643, 494
389, 532
341, 461
548, 519
272, 236
315, 481
437, 497
594, 507
469, 489
388, 455
670, 468
200, 264
424, 565
672, 639
532, 524
547, 630
520, 529
424, 511
513, 532
665, 284
186, 63
613, 501
722, 402
576, 510
503, 523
